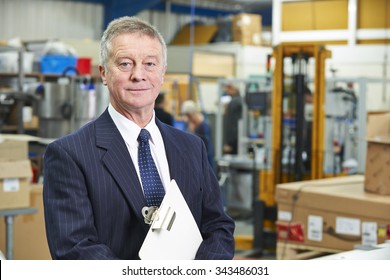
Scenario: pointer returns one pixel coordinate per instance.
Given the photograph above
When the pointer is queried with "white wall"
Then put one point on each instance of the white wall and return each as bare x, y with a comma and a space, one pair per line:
364, 62
42, 20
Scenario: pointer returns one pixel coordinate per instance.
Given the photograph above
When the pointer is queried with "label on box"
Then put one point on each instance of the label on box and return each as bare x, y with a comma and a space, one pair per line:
290, 231
284, 216
369, 233
11, 185
347, 226
314, 228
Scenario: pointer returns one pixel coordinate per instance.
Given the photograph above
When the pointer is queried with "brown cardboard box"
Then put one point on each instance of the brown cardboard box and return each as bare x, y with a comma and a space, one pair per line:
246, 29
247, 38
32, 124
378, 154
15, 179
13, 150
30, 241
332, 213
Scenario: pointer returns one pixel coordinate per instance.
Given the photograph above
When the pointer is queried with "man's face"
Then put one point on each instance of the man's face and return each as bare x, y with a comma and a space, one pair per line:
229, 89
135, 72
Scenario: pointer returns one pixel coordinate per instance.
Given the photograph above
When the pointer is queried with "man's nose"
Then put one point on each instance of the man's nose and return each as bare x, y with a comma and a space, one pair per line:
138, 72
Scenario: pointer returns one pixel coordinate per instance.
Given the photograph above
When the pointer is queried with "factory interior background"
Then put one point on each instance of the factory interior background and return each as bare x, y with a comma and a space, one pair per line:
310, 176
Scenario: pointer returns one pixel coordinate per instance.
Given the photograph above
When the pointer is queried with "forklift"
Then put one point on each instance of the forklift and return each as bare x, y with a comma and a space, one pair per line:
297, 149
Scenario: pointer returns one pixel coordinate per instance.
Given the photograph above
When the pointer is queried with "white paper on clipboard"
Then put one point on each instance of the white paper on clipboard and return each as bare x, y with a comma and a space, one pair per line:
174, 234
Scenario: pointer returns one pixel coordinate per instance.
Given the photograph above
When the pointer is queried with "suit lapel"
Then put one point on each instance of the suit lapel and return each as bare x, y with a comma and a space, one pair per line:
176, 161
119, 163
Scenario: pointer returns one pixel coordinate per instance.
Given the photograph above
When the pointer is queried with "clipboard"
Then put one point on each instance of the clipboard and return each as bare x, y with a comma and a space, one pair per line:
173, 234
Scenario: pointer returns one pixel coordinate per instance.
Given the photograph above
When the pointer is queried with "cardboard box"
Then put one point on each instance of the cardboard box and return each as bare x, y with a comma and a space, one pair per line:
13, 150
247, 38
246, 29
377, 171
30, 241
32, 124
15, 177
333, 213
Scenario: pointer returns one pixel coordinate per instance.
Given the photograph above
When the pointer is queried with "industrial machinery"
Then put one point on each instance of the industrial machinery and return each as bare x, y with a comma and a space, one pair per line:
298, 124
342, 128
312, 127
239, 172
68, 104
283, 141
291, 91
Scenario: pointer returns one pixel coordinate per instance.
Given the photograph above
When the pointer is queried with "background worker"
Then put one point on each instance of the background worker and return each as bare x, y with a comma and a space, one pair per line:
198, 125
233, 114
159, 109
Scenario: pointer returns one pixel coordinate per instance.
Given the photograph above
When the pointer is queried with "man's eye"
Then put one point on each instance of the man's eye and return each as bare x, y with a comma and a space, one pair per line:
124, 66
150, 64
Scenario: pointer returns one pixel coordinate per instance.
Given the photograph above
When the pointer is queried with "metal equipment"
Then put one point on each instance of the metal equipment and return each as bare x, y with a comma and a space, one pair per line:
68, 104
291, 77
6, 102
315, 129
239, 172
285, 141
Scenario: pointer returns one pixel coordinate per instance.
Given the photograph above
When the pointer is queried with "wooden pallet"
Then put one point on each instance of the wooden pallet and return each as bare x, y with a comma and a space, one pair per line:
289, 251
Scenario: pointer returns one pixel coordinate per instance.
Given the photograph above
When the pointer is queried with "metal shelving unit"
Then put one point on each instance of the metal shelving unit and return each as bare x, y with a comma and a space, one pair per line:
18, 94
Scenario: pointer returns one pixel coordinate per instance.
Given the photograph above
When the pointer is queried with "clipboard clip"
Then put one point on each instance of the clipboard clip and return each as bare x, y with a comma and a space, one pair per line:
164, 219
149, 212
159, 218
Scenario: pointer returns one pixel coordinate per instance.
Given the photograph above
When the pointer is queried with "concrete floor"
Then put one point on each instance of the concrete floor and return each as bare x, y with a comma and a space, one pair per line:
244, 227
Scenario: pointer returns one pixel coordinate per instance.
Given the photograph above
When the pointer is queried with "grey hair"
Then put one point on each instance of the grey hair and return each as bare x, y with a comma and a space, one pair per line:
128, 25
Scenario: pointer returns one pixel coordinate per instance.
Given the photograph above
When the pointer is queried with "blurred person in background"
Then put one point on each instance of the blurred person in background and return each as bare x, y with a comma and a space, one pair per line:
159, 109
198, 125
233, 114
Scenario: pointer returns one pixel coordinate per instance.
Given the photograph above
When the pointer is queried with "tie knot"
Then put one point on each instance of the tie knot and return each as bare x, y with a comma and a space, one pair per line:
143, 136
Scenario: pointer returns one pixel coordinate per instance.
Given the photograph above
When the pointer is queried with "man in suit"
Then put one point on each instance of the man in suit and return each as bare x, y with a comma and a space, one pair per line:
93, 192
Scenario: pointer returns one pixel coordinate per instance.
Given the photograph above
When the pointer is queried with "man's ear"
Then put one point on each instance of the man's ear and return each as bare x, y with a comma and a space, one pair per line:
102, 72
163, 74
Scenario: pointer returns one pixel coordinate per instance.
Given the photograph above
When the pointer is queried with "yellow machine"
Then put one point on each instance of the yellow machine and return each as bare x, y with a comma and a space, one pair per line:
282, 138
292, 134
298, 54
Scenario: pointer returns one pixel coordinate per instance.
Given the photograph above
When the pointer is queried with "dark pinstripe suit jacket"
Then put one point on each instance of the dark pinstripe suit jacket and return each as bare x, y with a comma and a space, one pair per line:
93, 198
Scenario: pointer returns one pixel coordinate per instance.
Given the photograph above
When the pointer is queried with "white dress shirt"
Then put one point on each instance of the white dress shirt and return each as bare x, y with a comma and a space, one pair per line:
130, 131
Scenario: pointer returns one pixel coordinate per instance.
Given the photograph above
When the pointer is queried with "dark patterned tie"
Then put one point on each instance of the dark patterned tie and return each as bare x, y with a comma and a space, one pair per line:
151, 182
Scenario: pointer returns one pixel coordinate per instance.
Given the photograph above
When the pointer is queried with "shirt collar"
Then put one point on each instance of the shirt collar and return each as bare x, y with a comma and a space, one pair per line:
129, 129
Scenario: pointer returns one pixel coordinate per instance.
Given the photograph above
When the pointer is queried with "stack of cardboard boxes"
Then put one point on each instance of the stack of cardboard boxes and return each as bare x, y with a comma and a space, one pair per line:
17, 191
378, 154
344, 212
15, 175
246, 29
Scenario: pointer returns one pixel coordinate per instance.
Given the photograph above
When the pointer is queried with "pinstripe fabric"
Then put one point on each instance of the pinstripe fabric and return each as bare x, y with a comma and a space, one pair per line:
93, 197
